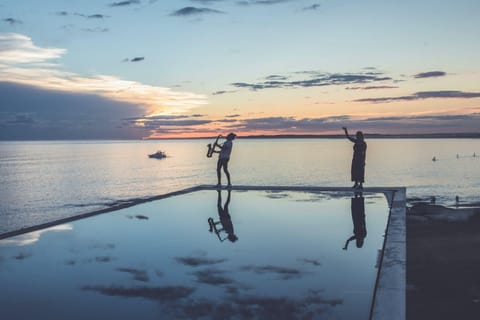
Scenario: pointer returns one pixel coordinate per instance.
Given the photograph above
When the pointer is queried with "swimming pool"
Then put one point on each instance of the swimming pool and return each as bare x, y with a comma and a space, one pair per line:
207, 254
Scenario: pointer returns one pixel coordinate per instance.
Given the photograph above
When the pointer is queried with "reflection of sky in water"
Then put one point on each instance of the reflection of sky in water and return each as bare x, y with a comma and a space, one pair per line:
32, 237
159, 260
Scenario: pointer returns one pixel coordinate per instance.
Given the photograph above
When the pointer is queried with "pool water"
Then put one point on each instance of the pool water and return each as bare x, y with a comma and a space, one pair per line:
203, 255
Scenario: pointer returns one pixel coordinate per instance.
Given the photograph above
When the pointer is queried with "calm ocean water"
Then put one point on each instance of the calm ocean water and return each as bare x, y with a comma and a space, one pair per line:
43, 180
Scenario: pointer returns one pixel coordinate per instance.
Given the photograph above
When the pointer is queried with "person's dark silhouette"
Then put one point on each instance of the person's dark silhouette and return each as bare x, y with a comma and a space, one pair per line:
358, 218
225, 220
358, 161
224, 157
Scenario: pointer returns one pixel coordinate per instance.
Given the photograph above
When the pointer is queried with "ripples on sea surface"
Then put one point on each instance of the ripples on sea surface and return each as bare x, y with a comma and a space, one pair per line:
46, 180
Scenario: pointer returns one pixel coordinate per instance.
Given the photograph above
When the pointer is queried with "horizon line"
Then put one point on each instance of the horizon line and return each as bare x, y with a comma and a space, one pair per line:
438, 135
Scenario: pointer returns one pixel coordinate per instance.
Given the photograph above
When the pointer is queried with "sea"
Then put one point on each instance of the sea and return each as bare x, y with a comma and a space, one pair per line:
42, 181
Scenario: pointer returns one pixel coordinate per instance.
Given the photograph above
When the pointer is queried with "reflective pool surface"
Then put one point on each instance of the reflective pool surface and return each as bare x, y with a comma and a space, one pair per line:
203, 255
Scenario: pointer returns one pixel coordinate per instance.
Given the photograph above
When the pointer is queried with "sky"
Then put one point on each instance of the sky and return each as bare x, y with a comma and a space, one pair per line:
139, 69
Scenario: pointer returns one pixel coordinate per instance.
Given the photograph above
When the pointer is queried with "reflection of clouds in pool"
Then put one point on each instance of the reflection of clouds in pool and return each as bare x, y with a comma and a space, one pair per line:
167, 293
103, 246
22, 256
71, 262
177, 302
32, 237
282, 272
138, 275
314, 262
276, 194
103, 259
138, 216
212, 276
193, 261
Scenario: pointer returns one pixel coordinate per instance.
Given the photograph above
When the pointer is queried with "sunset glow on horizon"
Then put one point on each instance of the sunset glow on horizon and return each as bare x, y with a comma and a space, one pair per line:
191, 68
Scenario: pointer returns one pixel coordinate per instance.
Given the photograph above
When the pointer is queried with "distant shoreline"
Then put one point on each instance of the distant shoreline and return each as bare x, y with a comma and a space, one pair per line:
289, 136
342, 136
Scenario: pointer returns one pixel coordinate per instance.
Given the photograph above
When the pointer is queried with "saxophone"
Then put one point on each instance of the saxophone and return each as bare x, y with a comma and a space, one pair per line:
211, 148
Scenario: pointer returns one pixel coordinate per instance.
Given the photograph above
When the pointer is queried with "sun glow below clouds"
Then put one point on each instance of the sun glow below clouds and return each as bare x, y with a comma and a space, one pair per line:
21, 61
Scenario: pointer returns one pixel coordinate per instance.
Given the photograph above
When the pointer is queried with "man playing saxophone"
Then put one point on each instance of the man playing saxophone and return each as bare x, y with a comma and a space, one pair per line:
223, 158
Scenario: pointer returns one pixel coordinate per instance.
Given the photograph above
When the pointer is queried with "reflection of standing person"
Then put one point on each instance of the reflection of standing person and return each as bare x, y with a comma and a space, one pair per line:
358, 218
224, 157
358, 161
225, 219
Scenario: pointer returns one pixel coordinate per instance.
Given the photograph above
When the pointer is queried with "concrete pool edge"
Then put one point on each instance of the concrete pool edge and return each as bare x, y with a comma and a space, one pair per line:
388, 300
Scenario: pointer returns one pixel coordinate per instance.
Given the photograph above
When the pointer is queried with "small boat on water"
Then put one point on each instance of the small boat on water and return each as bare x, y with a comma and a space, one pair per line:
158, 155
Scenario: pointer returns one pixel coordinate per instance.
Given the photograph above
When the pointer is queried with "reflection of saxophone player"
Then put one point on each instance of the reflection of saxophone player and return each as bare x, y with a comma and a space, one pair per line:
225, 220
211, 148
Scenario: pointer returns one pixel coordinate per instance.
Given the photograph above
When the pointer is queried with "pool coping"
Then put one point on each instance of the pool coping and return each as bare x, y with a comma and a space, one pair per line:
389, 296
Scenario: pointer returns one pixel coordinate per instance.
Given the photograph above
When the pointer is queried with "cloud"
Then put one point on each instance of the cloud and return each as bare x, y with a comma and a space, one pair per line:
371, 88
137, 59
226, 120
276, 77
220, 92
87, 16
443, 94
17, 48
429, 117
316, 79
190, 11
169, 123
284, 124
426, 123
260, 2
97, 16
96, 30
207, 1
154, 124
430, 74
23, 62
12, 21
29, 112
313, 7
124, 3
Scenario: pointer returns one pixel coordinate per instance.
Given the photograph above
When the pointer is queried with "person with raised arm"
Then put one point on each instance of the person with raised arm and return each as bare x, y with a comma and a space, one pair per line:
358, 161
